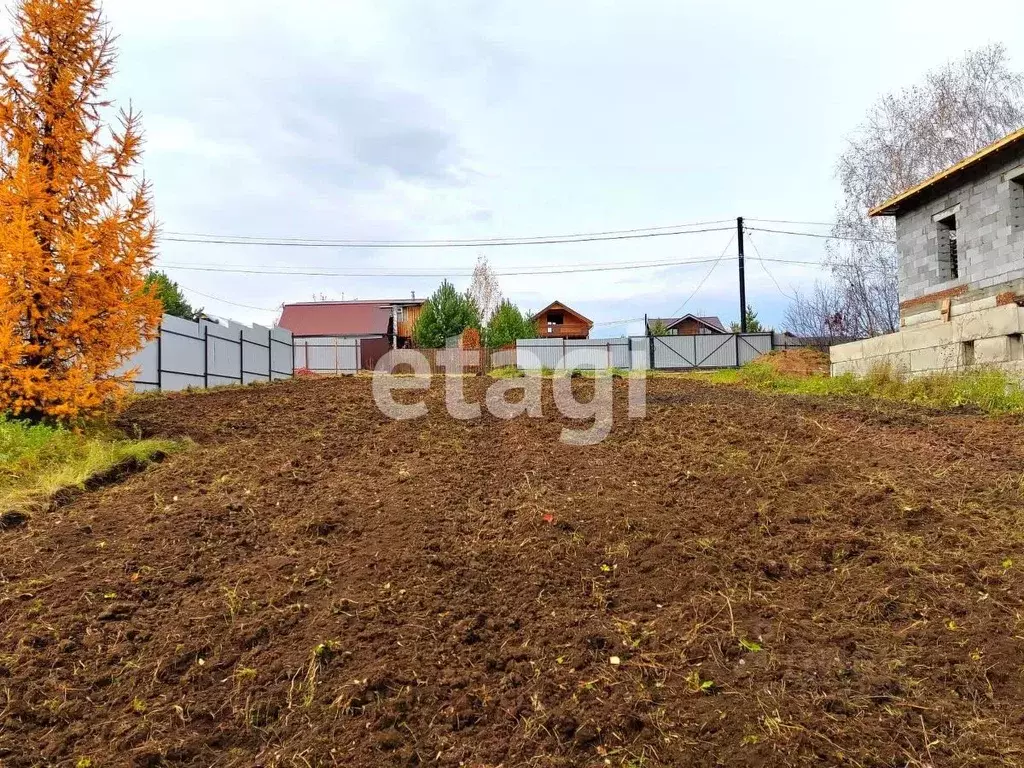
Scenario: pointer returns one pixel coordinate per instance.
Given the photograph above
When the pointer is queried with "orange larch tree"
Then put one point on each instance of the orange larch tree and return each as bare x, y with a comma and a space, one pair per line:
77, 233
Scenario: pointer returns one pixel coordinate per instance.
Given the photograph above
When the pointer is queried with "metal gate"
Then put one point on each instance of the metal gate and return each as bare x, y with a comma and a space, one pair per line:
712, 350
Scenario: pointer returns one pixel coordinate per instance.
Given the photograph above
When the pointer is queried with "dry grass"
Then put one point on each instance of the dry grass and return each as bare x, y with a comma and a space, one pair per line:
990, 390
37, 461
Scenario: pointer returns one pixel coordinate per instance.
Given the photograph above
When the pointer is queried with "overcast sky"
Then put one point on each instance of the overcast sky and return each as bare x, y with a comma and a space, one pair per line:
403, 119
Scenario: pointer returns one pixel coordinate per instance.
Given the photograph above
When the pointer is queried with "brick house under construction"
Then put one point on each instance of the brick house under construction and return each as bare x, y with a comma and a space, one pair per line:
960, 244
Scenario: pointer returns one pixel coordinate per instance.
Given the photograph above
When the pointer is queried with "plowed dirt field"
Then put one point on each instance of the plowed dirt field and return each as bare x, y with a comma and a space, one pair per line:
734, 580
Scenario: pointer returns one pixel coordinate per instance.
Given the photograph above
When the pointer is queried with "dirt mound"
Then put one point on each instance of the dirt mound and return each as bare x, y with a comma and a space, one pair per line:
733, 580
797, 362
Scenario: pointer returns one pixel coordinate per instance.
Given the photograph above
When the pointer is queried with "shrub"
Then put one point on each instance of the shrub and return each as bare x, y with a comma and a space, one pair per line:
446, 314
507, 325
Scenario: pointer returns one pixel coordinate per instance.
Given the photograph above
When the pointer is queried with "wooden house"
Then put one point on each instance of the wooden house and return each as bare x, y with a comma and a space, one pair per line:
558, 321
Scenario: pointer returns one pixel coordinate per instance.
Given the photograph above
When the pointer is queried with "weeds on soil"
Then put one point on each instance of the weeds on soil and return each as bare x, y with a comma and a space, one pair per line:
987, 389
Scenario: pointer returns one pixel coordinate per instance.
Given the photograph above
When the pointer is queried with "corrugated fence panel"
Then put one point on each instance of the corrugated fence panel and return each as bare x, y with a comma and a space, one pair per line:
181, 354
223, 355
189, 354
282, 361
715, 350
255, 354
753, 346
327, 355
641, 353
564, 354
674, 351
534, 354
147, 364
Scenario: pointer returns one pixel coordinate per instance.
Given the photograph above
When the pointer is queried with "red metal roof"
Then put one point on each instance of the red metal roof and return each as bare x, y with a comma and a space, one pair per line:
337, 318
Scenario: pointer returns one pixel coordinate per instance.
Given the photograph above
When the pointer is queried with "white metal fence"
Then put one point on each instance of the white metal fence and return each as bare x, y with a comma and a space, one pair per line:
562, 354
327, 354
205, 354
719, 350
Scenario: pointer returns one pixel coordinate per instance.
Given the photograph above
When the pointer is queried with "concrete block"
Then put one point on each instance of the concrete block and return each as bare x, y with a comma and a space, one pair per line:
889, 344
929, 336
991, 351
948, 357
998, 321
840, 353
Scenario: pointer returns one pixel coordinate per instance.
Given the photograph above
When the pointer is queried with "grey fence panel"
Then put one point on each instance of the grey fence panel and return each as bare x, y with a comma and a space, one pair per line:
327, 355
146, 363
181, 351
223, 355
255, 354
207, 354
282, 359
674, 351
559, 354
641, 353
716, 350
753, 345
539, 353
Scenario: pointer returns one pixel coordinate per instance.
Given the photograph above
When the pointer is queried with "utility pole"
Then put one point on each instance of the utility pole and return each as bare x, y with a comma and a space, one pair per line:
743, 281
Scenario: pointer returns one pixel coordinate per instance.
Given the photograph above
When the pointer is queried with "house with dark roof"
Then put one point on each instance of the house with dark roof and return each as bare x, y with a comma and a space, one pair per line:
960, 250
391, 319
687, 325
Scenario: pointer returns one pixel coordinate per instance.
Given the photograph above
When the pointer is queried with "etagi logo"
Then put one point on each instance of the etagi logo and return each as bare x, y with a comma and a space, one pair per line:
597, 410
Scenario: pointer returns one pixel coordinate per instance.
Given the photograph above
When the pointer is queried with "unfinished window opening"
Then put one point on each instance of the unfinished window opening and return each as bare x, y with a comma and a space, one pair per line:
556, 318
1016, 346
967, 349
949, 256
1017, 203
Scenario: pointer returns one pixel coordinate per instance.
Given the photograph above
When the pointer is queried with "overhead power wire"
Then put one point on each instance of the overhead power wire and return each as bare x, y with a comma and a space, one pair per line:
792, 221
823, 237
706, 276
760, 259
445, 241
455, 273
440, 271
314, 272
226, 301
440, 243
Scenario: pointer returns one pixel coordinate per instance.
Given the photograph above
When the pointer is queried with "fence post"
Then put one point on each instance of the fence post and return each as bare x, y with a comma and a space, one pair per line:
565, 365
737, 339
206, 356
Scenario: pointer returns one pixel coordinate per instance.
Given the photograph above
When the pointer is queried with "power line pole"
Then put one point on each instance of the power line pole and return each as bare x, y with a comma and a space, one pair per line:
743, 281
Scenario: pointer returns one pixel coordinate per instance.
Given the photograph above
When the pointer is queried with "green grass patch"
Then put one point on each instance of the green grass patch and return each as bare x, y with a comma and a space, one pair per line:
507, 372
988, 389
37, 460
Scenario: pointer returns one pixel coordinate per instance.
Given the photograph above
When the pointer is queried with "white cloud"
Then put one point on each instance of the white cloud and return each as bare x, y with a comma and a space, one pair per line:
394, 119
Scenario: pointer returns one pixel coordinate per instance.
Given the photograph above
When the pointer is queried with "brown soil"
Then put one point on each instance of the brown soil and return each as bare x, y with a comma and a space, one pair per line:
797, 362
786, 581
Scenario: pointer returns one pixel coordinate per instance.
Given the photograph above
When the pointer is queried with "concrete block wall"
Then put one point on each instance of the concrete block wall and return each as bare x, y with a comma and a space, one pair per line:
983, 336
990, 234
